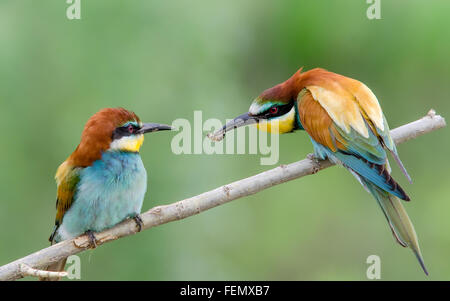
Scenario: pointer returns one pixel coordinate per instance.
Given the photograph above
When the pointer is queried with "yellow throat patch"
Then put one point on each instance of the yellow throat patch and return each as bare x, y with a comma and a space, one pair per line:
128, 143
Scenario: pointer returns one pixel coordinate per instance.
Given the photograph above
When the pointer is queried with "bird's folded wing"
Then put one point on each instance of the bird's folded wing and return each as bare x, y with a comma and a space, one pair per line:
67, 178
341, 124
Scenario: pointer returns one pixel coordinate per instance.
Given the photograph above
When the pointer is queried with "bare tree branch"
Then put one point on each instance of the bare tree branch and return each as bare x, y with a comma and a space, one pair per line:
29, 271
167, 213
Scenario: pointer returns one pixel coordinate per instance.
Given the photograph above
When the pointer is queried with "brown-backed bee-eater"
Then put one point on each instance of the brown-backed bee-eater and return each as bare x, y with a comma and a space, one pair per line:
104, 180
346, 125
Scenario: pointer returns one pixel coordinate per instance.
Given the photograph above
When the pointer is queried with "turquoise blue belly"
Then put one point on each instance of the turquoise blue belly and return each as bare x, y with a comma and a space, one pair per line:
109, 191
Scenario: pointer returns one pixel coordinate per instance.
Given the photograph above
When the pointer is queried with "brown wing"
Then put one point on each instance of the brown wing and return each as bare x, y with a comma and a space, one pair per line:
317, 123
365, 156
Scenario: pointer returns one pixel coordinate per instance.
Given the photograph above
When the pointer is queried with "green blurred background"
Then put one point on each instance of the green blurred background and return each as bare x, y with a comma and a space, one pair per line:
165, 59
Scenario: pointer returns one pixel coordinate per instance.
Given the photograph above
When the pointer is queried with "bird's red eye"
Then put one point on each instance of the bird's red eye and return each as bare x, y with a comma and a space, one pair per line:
130, 128
273, 110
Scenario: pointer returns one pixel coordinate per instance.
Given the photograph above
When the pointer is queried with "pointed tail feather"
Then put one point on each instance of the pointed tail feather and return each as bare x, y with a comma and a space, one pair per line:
398, 220
400, 164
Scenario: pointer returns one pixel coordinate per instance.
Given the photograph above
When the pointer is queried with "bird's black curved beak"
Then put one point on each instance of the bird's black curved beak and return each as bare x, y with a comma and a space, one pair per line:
154, 127
242, 120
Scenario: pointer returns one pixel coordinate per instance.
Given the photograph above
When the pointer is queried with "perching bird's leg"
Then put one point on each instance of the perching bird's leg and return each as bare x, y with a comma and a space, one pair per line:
92, 239
316, 160
313, 157
139, 222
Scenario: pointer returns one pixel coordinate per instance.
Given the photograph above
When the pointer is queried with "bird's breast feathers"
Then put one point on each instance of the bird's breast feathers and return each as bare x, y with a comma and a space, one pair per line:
117, 171
107, 192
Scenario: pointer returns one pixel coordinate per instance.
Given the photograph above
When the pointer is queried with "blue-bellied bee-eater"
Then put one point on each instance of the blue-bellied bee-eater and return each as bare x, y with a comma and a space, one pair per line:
103, 181
346, 125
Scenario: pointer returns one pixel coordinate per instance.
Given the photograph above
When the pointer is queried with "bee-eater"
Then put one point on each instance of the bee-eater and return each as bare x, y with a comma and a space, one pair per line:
346, 125
104, 180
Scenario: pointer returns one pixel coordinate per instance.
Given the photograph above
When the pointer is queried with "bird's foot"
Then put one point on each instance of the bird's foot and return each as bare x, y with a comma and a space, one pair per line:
139, 222
313, 157
316, 161
92, 239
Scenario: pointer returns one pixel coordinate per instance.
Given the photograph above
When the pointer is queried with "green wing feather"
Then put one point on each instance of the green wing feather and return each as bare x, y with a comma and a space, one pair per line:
67, 178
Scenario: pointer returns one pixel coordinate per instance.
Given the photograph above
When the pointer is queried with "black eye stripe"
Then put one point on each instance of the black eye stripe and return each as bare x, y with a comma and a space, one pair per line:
124, 131
282, 109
